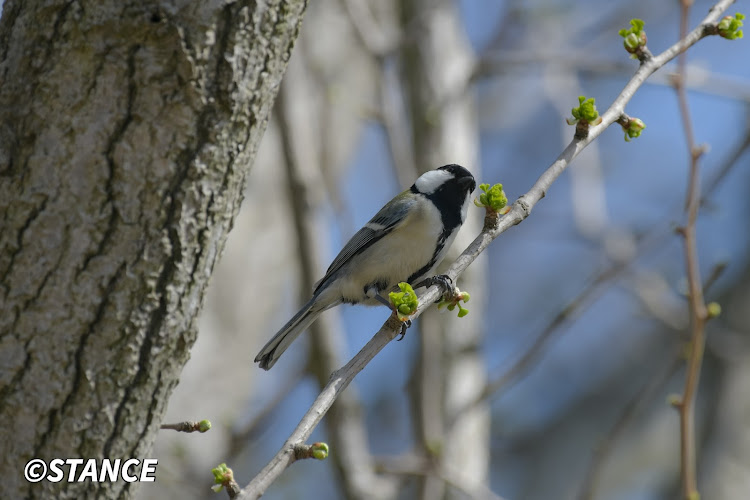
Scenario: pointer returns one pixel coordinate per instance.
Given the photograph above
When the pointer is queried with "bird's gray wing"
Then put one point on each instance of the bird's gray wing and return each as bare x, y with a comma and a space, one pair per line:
388, 218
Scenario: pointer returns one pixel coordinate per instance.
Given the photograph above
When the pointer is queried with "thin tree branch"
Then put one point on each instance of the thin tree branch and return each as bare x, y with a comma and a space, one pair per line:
580, 303
631, 409
345, 423
493, 227
188, 426
698, 312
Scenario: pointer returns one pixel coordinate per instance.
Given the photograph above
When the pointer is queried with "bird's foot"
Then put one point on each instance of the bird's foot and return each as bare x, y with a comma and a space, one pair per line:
404, 326
441, 280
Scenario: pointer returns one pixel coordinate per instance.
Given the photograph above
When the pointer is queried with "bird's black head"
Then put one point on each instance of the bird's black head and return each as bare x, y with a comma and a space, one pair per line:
461, 176
449, 188
452, 178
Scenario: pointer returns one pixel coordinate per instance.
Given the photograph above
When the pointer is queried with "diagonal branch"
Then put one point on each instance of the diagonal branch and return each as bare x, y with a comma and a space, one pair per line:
493, 227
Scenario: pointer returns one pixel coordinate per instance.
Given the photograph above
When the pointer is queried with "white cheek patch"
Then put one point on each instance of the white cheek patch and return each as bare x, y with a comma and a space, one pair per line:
430, 181
465, 207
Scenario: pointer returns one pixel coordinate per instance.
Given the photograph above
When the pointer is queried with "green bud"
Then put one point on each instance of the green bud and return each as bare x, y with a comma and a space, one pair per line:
633, 129
634, 37
493, 198
632, 42
713, 309
222, 474
405, 302
586, 111
204, 425
455, 301
729, 27
319, 451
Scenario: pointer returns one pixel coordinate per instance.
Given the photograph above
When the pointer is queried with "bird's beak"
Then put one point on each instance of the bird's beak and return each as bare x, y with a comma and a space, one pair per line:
468, 182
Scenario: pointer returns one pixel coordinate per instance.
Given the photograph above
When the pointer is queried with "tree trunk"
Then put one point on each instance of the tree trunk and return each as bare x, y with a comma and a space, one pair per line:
127, 129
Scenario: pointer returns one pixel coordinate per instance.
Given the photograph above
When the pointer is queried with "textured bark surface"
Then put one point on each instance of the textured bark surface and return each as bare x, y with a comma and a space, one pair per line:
127, 129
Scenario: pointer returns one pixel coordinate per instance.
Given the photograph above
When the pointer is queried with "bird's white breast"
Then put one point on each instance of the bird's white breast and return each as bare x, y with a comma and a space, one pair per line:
395, 257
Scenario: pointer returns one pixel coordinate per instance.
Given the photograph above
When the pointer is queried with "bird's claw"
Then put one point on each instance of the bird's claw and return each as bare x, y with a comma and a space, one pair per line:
404, 326
441, 280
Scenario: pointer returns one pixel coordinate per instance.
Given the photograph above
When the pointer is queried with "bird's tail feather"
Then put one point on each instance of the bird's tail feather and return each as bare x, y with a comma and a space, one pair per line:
280, 342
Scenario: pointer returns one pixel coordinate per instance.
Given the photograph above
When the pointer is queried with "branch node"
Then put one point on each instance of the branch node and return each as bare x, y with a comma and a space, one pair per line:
491, 221
644, 55
224, 478
675, 401
524, 206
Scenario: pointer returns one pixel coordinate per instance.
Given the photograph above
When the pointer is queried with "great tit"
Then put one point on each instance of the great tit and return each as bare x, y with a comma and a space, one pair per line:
404, 241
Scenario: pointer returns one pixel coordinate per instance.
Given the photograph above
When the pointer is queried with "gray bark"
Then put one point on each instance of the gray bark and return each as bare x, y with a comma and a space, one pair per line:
127, 129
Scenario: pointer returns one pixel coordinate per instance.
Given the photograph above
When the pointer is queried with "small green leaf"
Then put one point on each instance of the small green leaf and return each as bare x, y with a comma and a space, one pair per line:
585, 112
587, 109
729, 27
405, 302
493, 198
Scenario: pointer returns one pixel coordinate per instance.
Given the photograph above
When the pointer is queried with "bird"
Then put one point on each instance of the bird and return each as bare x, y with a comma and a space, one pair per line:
404, 241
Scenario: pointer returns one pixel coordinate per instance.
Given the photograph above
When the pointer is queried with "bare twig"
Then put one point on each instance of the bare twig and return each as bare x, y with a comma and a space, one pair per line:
493, 228
698, 312
647, 393
189, 426
588, 295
